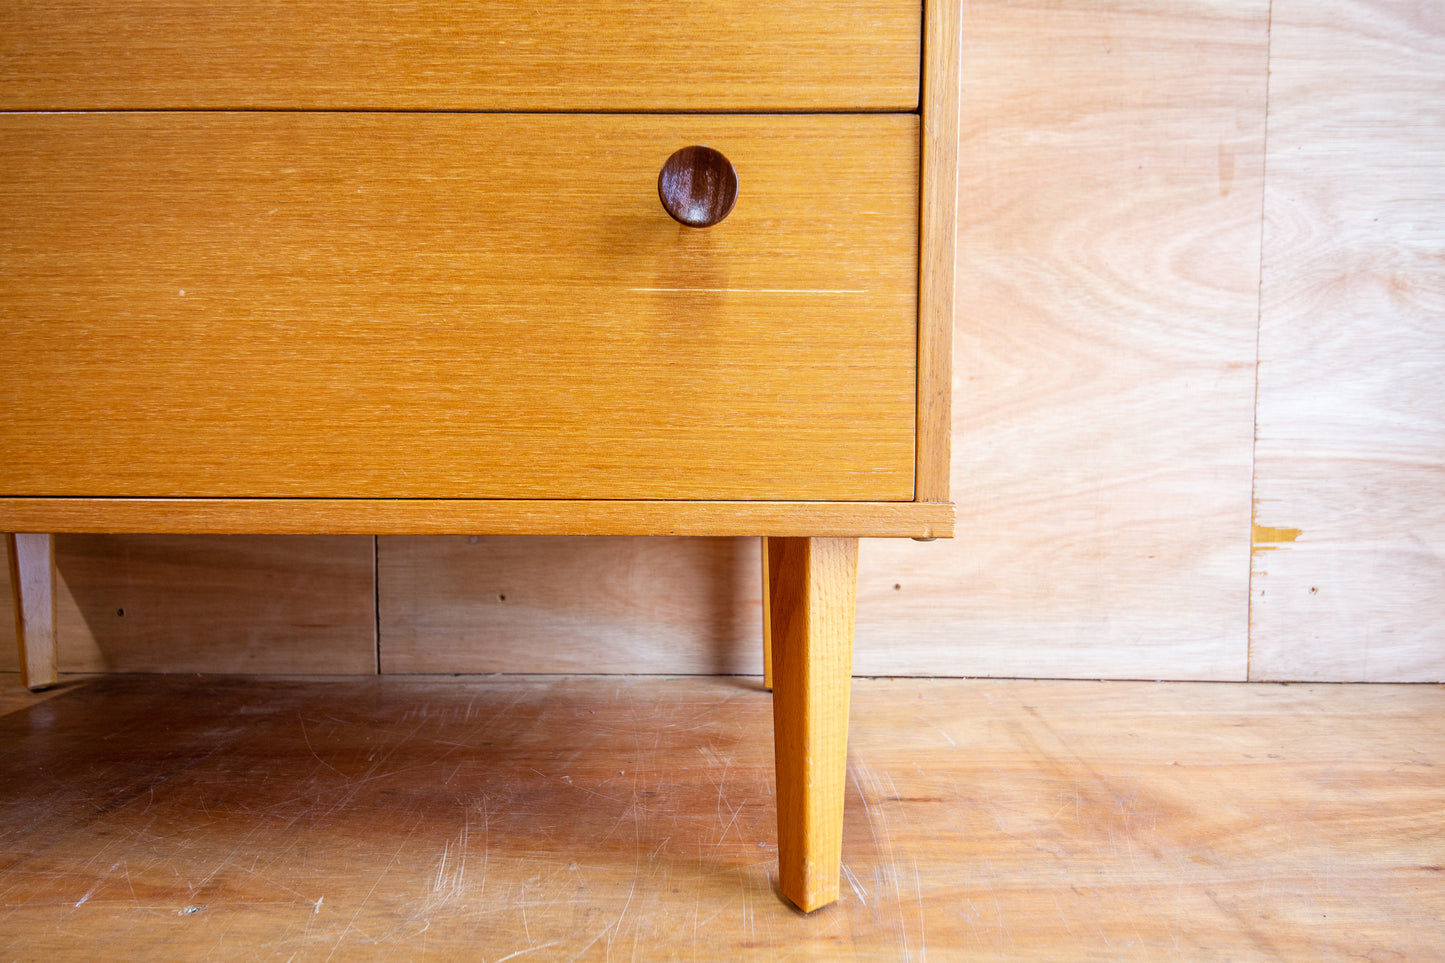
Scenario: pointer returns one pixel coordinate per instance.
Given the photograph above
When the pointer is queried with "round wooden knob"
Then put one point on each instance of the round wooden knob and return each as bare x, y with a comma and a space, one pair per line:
698, 186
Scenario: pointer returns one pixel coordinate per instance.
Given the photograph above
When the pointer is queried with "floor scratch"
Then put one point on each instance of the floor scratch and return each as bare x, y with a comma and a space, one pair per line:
940, 731
302, 719
527, 949
405, 844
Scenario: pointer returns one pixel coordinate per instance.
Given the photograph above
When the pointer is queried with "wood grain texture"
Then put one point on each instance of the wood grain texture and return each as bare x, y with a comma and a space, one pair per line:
501, 55
1111, 174
608, 605
767, 610
1349, 563
281, 516
361, 305
32, 589
396, 820
207, 604
811, 594
9, 644
938, 235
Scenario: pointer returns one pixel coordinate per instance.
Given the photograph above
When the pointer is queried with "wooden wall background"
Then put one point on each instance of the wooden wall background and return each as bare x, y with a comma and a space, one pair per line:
1199, 405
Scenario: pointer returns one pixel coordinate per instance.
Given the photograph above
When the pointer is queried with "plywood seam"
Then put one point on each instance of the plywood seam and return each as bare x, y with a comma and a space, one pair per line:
1258, 328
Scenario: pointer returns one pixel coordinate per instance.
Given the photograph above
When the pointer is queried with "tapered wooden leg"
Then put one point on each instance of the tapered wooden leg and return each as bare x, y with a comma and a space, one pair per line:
32, 580
812, 586
767, 621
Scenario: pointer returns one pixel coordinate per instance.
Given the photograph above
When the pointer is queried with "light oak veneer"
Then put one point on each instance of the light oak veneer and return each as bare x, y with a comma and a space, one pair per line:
351, 305
344, 307
506, 55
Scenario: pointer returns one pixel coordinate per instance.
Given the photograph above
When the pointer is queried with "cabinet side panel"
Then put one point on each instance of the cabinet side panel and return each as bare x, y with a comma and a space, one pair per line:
938, 243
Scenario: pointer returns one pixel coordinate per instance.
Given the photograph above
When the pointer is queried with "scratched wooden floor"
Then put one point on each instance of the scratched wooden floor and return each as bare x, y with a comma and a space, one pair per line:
631, 818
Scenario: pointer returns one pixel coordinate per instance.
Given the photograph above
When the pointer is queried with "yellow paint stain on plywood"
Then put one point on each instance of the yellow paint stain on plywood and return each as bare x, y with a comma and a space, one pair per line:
1263, 538
1266, 539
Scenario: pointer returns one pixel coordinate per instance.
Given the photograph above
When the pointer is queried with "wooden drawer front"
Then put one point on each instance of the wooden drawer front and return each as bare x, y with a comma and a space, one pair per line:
454, 305
498, 55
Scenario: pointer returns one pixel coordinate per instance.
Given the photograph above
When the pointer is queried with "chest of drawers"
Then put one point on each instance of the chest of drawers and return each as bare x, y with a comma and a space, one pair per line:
376, 268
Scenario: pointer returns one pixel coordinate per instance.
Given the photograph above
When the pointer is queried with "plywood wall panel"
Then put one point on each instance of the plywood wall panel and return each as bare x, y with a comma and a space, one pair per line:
573, 604
1112, 197
145, 603
9, 655
1349, 555
1112, 157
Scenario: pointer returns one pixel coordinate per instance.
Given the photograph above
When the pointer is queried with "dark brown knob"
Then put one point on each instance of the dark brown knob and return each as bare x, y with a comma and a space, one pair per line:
698, 186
